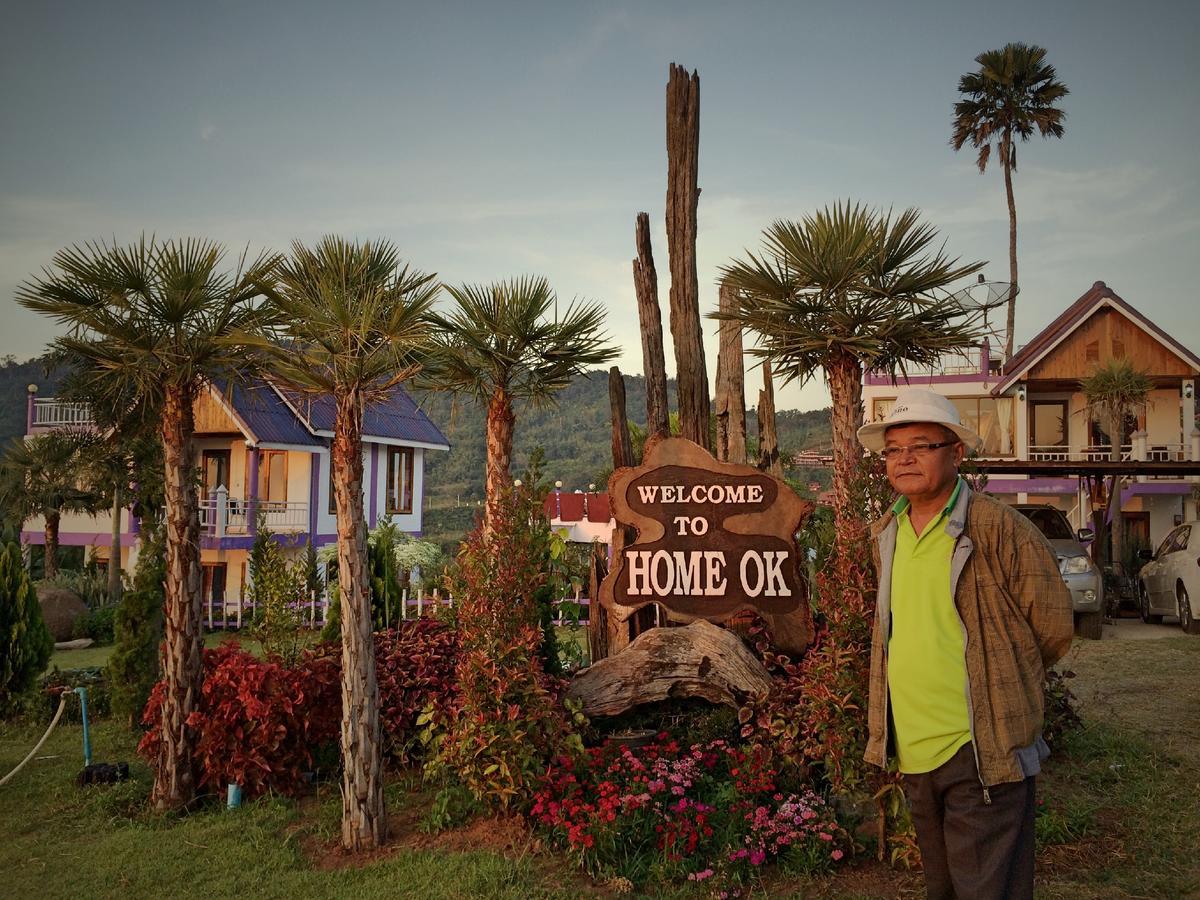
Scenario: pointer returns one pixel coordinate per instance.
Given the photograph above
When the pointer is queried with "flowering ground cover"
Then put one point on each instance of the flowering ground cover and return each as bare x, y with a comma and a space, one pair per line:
669, 811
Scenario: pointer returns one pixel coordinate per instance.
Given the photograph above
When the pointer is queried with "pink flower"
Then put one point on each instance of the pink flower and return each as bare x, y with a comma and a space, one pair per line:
837, 854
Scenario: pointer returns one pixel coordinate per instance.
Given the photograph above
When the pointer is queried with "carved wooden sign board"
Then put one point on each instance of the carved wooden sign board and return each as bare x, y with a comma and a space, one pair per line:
712, 538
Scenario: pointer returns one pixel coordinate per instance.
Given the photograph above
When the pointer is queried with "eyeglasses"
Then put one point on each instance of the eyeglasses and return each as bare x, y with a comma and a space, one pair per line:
920, 448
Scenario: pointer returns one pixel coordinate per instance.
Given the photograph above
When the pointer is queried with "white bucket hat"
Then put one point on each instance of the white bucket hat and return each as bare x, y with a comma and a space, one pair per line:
919, 405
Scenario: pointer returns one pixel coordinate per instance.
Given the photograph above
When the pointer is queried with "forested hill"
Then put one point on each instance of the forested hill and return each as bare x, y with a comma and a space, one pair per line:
15, 379
573, 432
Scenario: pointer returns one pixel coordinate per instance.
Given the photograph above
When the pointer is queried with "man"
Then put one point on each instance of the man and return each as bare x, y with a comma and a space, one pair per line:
971, 610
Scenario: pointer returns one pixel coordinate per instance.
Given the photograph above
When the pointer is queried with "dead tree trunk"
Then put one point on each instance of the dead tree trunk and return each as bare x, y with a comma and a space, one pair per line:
618, 632
731, 388
768, 437
645, 283
597, 613
683, 149
622, 446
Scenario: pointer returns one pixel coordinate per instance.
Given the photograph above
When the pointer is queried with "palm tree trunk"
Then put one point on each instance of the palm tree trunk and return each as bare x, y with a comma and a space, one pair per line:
500, 421
1010, 328
845, 388
50, 563
364, 823
174, 776
1116, 532
114, 551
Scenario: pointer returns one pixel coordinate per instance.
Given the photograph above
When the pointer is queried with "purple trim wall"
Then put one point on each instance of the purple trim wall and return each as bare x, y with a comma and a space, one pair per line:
373, 518
1031, 486
78, 539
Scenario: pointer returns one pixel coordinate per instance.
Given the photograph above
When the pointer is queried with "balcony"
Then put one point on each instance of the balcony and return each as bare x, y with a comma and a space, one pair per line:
49, 413
225, 516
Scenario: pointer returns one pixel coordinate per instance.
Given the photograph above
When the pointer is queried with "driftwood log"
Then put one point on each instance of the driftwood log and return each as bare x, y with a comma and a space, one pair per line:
700, 660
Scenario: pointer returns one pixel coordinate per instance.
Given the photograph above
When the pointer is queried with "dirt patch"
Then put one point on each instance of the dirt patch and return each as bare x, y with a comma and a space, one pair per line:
1148, 686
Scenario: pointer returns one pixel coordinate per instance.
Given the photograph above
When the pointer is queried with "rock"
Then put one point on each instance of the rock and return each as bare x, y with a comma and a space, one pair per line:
60, 609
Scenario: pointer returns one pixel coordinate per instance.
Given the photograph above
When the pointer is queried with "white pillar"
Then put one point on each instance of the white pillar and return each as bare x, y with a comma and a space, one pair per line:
1139, 449
222, 509
1187, 403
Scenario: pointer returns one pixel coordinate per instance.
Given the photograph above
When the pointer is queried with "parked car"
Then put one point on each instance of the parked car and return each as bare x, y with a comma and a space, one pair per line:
1080, 573
1169, 584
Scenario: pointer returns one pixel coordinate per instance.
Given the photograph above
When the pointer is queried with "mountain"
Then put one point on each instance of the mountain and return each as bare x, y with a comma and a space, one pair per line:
15, 378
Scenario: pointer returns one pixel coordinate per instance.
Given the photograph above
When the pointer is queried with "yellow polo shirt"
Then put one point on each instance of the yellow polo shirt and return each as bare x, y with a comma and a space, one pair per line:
927, 669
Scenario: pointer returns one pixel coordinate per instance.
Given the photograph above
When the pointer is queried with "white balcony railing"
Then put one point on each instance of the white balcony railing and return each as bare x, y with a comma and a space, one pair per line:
51, 413
222, 515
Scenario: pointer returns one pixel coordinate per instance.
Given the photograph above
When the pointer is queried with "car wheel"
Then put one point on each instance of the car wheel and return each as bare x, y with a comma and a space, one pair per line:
1144, 597
1186, 621
1089, 625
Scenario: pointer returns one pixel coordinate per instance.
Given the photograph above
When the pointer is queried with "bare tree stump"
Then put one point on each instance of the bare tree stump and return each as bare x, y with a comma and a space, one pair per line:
768, 437
700, 660
597, 613
683, 150
731, 387
645, 283
622, 446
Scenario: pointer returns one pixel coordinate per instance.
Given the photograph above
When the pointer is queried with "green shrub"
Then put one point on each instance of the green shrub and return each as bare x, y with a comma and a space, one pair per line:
137, 627
25, 642
98, 624
278, 593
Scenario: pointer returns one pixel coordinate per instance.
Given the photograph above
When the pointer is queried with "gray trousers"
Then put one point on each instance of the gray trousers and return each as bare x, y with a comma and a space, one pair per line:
972, 849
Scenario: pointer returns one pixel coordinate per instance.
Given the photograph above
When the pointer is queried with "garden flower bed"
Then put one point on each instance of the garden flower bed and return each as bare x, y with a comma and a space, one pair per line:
669, 812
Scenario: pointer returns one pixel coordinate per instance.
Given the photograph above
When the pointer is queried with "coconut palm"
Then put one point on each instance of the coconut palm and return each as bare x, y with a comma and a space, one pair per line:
151, 322
40, 476
1114, 393
353, 323
500, 345
1013, 93
843, 290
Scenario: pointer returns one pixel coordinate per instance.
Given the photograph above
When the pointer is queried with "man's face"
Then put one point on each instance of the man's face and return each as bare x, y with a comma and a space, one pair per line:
928, 475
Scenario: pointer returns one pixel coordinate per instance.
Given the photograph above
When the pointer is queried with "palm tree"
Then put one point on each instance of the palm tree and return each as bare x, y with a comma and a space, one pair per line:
848, 289
1012, 94
1113, 393
151, 322
353, 323
40, 476
499, 345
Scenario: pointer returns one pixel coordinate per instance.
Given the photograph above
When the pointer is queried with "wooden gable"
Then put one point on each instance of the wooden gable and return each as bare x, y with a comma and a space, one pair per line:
212, 416
1109, 334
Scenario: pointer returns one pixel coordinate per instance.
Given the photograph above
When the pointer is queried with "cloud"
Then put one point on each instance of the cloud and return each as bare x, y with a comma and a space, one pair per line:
208, 132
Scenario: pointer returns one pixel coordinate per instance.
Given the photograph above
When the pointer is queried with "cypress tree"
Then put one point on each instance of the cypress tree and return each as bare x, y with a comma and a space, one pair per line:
25, 642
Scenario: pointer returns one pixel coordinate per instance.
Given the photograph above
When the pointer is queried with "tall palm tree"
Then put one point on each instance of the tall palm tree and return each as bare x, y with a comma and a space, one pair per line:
151, 321
1012, 94
352, 323
40, 476
499, 345
843, 290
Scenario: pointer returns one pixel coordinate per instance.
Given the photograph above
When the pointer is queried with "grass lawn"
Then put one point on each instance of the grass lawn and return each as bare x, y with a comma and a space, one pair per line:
1122, 818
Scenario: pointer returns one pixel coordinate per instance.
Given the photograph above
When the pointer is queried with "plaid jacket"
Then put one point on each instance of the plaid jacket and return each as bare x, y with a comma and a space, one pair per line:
1016, 618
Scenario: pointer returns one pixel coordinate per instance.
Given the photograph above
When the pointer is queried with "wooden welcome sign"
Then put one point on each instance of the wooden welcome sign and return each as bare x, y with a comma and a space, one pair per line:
712, 538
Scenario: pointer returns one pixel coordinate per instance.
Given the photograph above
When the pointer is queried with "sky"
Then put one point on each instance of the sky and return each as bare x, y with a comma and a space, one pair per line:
490, 140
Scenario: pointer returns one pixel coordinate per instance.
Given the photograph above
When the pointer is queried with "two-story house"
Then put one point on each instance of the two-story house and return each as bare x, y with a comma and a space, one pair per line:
1040, 443
263, 459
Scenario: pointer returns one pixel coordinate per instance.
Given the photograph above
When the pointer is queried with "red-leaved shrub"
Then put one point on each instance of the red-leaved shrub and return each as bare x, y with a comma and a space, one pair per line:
258, 722
414, 664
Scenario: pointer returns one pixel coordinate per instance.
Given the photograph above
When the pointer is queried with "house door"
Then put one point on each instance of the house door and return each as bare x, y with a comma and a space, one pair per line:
214, 586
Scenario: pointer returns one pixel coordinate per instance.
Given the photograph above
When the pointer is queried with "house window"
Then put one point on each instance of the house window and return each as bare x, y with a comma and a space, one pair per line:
272, 475
214, 584
1049, 420
399, 496
991, 419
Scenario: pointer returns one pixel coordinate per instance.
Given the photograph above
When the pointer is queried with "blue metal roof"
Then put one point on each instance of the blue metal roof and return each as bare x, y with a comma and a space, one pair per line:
395, 417
266, 415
